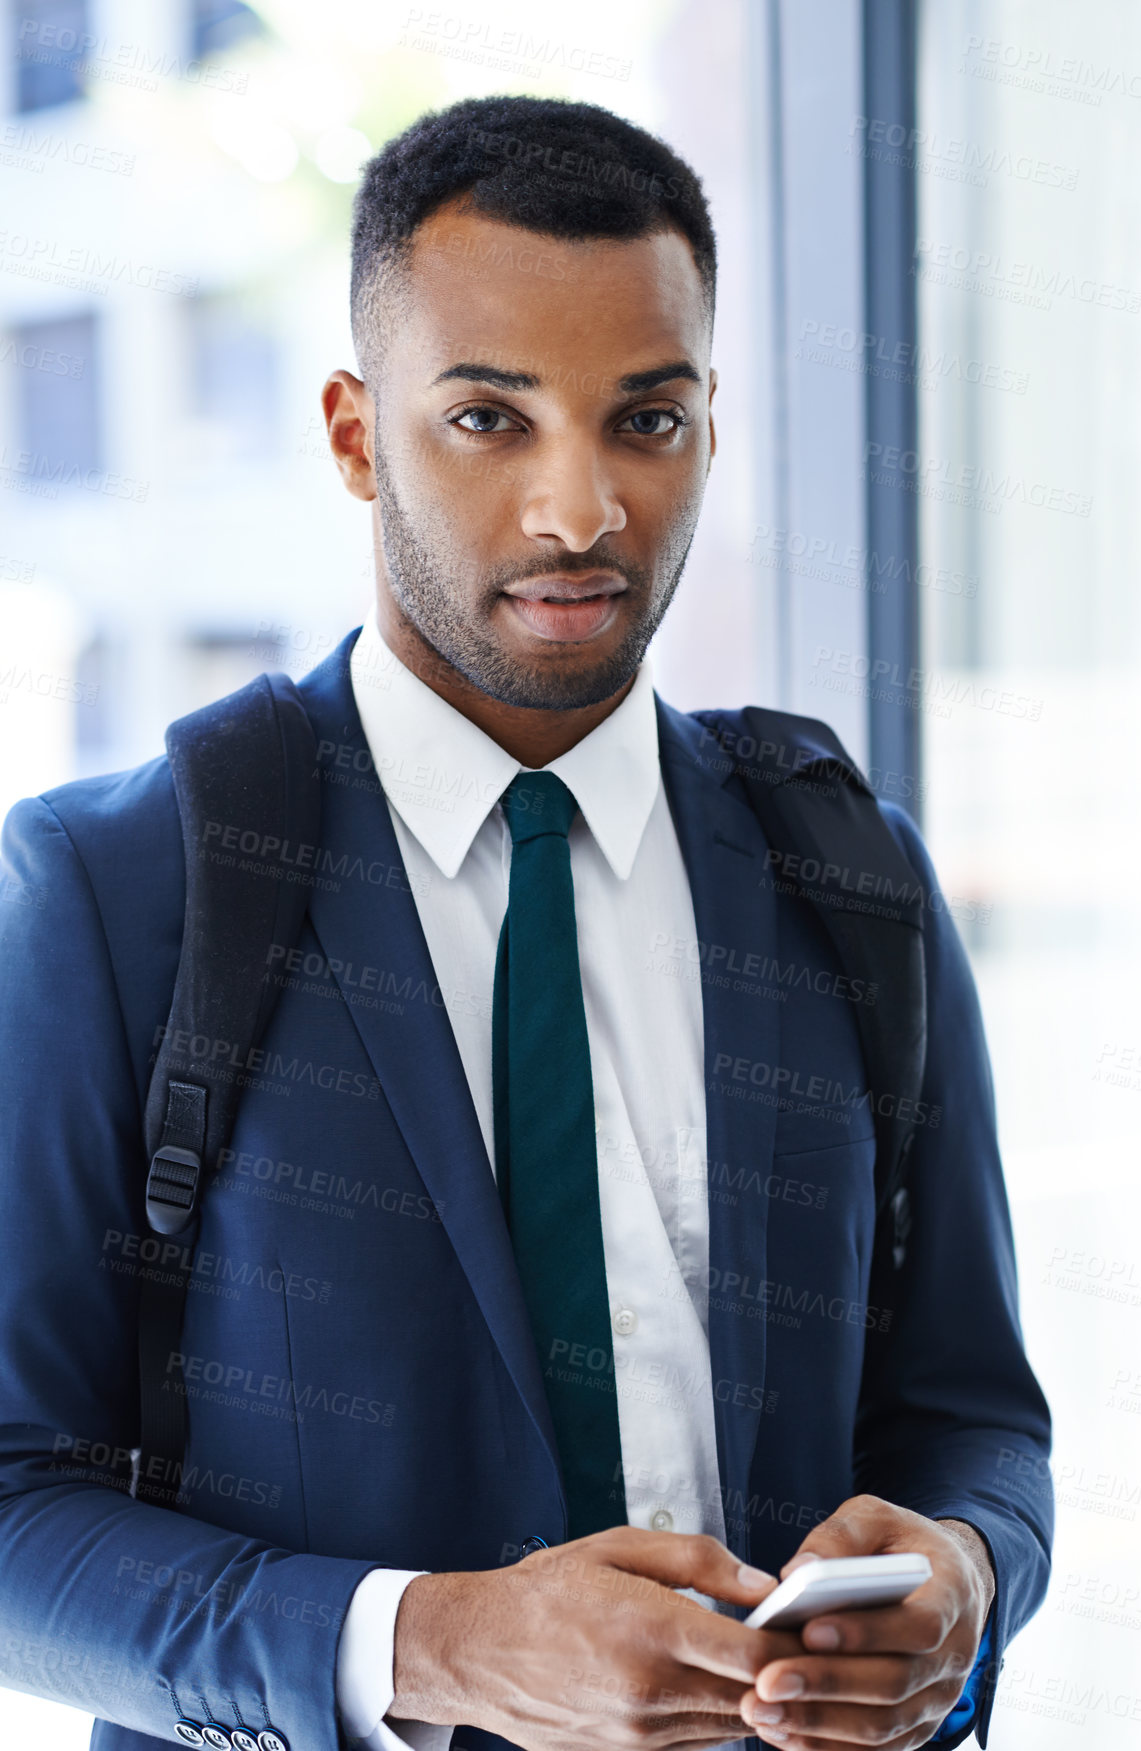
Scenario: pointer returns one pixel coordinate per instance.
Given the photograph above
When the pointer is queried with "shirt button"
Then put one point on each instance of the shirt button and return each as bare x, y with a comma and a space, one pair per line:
624, 1321
662, 1520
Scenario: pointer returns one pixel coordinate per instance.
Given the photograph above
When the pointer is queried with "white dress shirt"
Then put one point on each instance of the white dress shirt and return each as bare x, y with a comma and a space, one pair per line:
442, 778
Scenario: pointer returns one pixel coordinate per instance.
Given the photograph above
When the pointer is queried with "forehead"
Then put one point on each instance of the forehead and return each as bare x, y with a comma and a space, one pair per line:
479, 286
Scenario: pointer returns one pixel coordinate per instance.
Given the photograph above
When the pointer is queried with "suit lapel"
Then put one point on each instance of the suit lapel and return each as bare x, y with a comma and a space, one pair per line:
371, 918
723, 849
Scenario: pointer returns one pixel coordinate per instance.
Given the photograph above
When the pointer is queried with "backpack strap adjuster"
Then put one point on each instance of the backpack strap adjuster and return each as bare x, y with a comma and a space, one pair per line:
172, 1189
175, 1178
901, 1226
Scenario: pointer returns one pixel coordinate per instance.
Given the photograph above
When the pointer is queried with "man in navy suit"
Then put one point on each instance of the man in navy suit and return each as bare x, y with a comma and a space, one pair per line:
539, 894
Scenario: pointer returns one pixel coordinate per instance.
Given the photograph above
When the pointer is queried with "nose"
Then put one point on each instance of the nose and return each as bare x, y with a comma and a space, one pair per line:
570, 497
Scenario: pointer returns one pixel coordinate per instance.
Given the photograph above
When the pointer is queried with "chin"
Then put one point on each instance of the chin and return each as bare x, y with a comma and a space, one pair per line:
556, 686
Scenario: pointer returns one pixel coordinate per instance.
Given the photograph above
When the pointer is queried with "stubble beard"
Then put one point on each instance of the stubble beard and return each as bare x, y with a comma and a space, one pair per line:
426, 582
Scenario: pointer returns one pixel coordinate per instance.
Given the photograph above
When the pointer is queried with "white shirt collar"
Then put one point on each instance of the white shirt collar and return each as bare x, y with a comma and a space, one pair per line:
443, 775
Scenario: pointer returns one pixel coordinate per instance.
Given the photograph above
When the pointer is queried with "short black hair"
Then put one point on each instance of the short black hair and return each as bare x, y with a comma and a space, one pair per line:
563, 169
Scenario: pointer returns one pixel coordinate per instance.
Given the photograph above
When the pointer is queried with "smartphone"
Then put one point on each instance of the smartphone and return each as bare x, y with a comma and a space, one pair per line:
844, 1583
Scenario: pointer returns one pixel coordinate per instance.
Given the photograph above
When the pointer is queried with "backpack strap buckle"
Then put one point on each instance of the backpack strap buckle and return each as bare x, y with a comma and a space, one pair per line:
172, 1189
175, 1178
901, 1226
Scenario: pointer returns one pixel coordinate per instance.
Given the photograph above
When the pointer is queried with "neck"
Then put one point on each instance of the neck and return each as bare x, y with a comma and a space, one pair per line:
532, 736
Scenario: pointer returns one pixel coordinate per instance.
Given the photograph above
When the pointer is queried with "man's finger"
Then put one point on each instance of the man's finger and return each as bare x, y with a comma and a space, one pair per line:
860, 1526
685, 1559
707, 1640
718, 1644
859, 1724
865, 1679
919, 1625
711, 1696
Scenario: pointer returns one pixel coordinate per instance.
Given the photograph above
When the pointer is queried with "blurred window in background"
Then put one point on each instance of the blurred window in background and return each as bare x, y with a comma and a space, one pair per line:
48, 37
57, 400
218, 24
234, 381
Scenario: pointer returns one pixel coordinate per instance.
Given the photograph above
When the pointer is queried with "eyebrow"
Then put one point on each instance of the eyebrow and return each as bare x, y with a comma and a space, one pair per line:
515, 381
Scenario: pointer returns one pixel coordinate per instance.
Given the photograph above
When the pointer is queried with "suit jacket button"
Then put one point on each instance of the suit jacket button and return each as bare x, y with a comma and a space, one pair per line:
216, 1737
272, 1740
243, 1740
189, 1732
531, 1543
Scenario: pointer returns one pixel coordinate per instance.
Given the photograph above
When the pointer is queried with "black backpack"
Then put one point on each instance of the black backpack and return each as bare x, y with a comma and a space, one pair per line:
246, 775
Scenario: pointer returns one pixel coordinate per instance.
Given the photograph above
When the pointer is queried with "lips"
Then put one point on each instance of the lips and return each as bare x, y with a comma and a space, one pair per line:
565, 609
556, 587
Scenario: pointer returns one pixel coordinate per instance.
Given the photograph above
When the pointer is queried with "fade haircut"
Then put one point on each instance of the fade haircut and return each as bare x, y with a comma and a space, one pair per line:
561, 169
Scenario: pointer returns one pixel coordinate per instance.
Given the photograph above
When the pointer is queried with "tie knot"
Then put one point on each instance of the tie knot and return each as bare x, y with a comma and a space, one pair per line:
536, 803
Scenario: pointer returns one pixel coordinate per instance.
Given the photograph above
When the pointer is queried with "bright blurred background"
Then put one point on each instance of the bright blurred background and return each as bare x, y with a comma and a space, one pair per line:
174, 202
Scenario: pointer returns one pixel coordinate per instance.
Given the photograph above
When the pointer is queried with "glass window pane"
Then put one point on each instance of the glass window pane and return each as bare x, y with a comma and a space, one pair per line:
49, 48
58, 395
1029, 271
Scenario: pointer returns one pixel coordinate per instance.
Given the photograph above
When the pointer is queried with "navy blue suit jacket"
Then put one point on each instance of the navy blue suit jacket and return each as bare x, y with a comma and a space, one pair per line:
364, 1388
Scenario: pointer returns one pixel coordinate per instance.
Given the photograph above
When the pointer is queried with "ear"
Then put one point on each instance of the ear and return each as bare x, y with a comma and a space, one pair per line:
712, 427
350, 418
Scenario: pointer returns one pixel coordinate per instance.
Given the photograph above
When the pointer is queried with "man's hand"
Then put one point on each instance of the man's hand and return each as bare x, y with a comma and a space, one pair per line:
586, 1644
897, 1672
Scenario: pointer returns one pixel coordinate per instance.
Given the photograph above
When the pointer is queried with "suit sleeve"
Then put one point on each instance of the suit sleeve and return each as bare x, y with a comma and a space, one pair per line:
71, 1535
952, 1422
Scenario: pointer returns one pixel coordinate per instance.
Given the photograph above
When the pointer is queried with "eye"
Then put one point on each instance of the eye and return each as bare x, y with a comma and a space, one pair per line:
638, 422
485, 418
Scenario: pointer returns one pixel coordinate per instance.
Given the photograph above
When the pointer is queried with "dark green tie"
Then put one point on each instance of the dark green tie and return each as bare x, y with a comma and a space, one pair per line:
546, 1157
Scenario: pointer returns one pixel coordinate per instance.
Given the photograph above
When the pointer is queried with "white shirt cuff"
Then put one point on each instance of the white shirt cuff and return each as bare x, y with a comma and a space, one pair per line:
365, 1683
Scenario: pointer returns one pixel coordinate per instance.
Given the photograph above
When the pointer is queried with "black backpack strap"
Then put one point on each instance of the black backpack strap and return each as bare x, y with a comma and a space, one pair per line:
829, 844
245, 777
